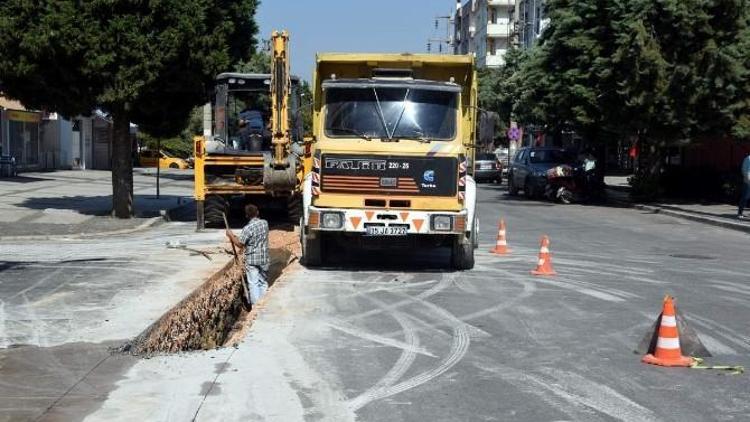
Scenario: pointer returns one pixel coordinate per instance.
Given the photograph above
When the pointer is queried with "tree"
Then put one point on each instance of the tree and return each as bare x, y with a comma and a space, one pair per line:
662, 71
499, 89
149, 63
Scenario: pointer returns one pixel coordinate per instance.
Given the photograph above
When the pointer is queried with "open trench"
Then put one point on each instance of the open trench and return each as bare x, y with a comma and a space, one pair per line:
215, 314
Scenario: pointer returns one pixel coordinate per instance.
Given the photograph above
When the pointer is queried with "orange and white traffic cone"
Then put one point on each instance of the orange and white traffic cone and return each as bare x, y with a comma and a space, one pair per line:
668, 351
501, 245
544, 265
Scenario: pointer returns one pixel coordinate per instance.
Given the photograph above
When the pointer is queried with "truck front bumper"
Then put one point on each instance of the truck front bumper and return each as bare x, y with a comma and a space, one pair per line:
347, 220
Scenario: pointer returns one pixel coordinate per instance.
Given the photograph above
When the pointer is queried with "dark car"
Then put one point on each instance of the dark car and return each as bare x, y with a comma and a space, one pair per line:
487, 168
528, 170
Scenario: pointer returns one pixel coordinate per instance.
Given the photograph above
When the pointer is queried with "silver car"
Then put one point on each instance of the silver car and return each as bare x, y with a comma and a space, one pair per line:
487, 168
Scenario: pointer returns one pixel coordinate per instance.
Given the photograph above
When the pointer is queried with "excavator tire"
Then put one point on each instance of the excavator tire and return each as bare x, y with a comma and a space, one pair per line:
294, 208
215, 207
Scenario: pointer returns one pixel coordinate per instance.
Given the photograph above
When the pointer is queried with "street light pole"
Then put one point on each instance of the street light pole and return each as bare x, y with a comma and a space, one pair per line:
158, 164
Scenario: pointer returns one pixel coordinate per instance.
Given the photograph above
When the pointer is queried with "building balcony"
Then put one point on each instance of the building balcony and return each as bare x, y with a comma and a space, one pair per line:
494, 61
499, 30
506, 3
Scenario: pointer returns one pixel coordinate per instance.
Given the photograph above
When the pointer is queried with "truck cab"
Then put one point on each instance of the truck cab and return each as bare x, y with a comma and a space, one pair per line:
394, 136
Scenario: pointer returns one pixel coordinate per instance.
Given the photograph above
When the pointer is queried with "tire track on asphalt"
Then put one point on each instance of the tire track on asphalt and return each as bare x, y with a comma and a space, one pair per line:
570, 393
404, 362
354, 331
459, 348
443, 283
527, 292
727, 334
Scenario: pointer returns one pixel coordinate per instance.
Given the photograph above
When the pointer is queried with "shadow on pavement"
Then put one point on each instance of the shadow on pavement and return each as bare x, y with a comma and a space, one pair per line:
170, 176
351, 258
12, 265
99, 205
22, 179
65, 382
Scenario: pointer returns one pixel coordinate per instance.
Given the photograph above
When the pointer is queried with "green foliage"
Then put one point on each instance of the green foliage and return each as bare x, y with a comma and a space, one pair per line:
662, 70
259, 62
306, 107
151, 61
180, 145
146, 62
499, 89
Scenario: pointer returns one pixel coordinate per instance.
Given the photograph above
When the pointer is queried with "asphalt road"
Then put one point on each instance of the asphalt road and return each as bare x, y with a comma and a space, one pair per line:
498, 344
405, 339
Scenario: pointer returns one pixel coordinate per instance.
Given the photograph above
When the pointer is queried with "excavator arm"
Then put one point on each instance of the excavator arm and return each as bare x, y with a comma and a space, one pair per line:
281, 86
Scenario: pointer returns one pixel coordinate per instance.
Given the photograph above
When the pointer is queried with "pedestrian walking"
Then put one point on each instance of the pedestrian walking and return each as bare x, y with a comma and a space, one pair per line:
745, 196
254, 241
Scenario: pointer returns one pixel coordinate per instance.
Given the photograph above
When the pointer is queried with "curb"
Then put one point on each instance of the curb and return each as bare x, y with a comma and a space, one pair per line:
165, 215
685, 215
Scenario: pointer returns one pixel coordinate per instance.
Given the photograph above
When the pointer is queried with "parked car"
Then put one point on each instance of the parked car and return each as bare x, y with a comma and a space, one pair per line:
487, 168
150, 158
502, 157
528, 170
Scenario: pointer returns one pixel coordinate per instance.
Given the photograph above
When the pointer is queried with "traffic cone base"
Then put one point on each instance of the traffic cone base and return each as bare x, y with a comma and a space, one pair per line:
681, 361
667, 351
544, 264
501, 245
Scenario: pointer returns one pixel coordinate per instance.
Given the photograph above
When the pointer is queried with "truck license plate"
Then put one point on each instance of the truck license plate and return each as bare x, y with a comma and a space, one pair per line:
386, 231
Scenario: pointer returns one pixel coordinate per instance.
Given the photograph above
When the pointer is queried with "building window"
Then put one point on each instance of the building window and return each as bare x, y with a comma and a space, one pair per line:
491, 46
493, 15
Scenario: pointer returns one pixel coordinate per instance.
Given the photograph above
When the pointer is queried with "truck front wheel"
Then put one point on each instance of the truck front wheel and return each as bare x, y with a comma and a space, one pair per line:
462, 254
312, 249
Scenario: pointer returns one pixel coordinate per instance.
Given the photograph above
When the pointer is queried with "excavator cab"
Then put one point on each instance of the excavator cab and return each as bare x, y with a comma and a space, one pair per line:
253, 147
242, 114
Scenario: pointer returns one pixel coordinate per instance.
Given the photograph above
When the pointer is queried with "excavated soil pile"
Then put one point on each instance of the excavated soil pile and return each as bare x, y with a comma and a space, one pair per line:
205, 319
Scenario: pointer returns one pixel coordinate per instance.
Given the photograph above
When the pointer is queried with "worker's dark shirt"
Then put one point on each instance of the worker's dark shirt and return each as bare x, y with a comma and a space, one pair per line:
255, 238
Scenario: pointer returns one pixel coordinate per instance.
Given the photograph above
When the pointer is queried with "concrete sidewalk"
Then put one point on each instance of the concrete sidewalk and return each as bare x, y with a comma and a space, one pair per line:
78, 202
65, 303
716, 214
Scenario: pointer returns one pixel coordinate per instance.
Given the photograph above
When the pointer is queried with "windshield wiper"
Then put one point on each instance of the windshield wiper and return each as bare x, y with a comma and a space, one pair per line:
419, 138
350, 130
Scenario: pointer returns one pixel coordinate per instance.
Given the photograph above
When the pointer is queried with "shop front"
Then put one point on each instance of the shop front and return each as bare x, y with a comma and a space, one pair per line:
21, 136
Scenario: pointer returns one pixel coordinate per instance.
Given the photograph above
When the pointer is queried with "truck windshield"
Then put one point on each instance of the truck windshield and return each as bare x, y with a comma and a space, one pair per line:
391, 113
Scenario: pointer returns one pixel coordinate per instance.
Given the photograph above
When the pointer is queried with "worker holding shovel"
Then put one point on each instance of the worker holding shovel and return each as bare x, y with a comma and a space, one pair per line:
254, 240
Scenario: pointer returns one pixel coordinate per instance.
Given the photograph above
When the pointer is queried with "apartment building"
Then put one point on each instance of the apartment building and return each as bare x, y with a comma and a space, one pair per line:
484, 28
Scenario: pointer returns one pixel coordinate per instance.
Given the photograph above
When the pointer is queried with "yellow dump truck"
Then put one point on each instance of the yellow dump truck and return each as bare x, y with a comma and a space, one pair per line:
252, 149
394, 136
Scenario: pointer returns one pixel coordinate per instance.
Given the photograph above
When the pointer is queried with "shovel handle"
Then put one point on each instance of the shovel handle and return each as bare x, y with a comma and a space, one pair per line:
234, 248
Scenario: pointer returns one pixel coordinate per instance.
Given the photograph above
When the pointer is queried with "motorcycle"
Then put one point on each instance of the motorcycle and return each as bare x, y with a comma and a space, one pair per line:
568, 184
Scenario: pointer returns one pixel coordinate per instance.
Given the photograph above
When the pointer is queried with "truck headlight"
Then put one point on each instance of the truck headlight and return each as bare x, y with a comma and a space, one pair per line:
332, 220
442, 223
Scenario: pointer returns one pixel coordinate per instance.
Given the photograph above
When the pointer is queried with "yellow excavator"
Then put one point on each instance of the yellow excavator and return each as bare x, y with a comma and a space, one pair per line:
252, 148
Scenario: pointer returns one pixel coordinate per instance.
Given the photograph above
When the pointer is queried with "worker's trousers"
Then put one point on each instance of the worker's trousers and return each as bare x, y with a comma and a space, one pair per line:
257, 283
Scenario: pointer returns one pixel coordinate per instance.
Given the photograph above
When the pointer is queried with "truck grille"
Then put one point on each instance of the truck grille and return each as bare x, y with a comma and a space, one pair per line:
359, 184
386, 174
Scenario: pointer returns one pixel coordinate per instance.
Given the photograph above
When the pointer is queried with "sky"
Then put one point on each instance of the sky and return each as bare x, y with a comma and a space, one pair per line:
373, 26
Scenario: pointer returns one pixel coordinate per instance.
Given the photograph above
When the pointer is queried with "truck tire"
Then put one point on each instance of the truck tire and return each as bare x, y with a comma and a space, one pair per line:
312, 249
214, 209
462, 255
